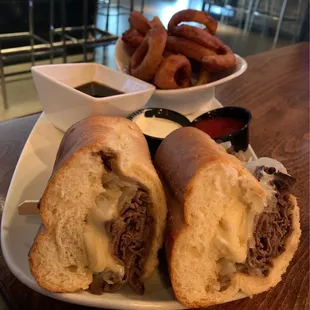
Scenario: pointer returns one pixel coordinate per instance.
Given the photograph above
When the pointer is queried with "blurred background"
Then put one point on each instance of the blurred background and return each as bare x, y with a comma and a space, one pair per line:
63, 31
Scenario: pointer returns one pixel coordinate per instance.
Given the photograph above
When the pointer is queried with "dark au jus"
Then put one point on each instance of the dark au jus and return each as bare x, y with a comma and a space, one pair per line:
98, 90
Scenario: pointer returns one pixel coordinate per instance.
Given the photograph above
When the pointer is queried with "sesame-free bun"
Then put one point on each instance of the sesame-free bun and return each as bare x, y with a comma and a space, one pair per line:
58, 258
210, 194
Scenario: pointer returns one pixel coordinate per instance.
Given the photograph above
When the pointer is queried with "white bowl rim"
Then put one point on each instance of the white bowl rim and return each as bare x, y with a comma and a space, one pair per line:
149, 86
242, 69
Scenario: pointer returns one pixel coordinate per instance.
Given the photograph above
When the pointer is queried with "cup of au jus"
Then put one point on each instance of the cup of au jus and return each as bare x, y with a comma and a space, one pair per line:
157, 123
226, 124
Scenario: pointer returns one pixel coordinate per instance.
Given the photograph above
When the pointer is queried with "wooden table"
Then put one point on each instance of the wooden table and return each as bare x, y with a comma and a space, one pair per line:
275, 90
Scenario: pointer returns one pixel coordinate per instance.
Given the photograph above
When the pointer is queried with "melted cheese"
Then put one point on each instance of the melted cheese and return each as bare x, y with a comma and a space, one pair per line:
115, 193
232, 234
97, 244
235, 231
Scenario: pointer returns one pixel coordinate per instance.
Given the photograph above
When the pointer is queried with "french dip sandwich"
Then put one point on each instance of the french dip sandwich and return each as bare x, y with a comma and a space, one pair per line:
227, 230
103, 211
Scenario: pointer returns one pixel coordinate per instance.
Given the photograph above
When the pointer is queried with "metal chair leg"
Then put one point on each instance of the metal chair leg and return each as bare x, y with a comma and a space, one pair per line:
298, 21
272, 7
142, 6
117, 16
242, 6
108, 16
266, 2
223, 17
3, 86
282, 12
104, 55
132, 5
51, 31
248, 16
96, 13
256, 5
85, 14
209, 3
30, 21
95, 49
63, 32
266, 18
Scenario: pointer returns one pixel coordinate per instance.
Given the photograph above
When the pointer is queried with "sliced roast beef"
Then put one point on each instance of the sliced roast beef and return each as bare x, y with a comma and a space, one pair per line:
271, 228
130, 237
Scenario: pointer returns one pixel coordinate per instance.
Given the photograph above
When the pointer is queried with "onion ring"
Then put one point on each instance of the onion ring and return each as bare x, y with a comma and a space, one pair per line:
188, 48
174, 72
199, 36
132, 37
219, 62
168, 53
146, 59
193, 16
129, 49
139, 22
156, 21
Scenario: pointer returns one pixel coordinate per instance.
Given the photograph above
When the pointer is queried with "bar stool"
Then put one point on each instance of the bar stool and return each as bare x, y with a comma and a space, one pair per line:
107, 4
3, 86
92, 35
271, 15
243, 7
5, 53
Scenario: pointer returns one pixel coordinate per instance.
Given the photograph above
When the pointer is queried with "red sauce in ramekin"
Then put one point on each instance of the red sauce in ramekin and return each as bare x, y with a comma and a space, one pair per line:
219, 126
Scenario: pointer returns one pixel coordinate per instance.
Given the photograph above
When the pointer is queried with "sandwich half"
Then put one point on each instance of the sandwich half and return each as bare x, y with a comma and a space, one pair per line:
227, 230
103, 211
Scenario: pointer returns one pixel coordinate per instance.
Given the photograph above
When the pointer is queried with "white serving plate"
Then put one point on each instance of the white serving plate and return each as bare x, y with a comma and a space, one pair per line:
185, 100
17, 232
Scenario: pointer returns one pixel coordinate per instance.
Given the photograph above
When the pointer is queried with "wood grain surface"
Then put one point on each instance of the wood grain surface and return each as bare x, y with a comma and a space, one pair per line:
275, 89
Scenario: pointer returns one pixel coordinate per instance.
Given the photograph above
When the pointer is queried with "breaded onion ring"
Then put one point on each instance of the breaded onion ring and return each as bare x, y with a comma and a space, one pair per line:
156, 21
188, 48
198, 35
167, 53
146, 59
193, 16
129, 49
219, 62
132, 37
139, 22
174, 72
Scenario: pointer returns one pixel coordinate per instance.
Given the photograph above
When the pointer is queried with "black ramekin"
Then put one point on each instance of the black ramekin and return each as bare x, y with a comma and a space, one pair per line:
154, 142
240, 138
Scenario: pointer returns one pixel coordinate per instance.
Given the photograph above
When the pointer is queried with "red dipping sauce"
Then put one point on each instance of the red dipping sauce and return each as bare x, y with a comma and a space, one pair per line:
219, 126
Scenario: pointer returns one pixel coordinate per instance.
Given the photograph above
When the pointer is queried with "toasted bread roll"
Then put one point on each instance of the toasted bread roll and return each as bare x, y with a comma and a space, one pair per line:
103, 209
226, 231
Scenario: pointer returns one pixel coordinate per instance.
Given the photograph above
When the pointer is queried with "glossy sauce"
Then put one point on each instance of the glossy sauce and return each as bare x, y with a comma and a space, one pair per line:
155, 126
97, 90
219, 126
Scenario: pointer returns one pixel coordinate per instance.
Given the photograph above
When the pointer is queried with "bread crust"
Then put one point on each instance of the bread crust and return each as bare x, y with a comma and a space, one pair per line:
180, 160
125, 142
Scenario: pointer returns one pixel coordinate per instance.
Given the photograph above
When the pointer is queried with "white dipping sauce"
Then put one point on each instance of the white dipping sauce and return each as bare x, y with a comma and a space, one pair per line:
155, 126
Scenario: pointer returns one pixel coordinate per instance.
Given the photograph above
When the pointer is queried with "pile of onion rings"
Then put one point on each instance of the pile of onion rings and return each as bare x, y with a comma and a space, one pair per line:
168, 58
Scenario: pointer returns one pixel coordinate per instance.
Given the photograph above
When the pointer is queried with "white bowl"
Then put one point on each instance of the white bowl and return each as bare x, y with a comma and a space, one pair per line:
185, 100
64, 106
